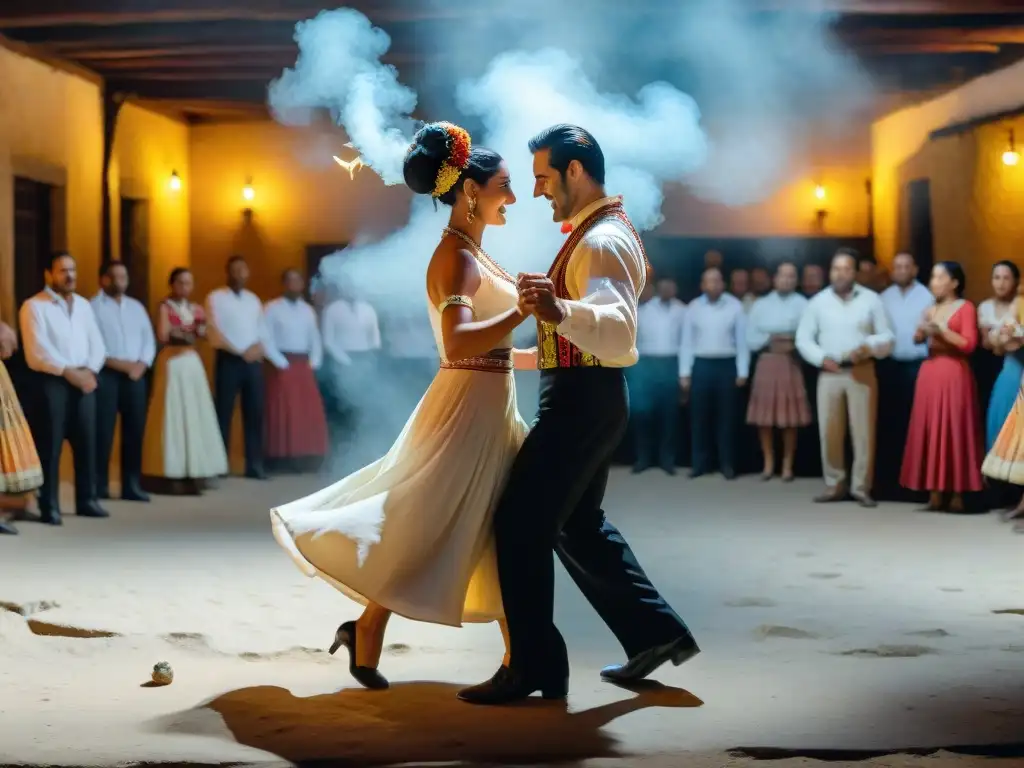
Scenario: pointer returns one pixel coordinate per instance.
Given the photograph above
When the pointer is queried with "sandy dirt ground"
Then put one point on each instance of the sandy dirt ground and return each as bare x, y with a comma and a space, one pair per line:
829, 633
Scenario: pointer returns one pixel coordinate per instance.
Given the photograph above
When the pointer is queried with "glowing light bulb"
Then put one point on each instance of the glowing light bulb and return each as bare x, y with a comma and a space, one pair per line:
1011, 157
175, 182
248, 193
819, 192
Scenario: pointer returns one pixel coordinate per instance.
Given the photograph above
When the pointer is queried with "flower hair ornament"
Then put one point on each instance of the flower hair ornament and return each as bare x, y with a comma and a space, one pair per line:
459, 145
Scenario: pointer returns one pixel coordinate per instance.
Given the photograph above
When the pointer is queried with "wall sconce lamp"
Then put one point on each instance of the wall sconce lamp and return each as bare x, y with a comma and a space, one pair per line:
821, 214
248, 195
175, 182
1011, 156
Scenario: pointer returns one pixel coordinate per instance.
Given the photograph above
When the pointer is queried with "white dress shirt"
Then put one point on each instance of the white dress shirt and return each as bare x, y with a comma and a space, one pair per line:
659, 328
833, 327
350, 326
905, 309
56, 336
605, 275
715, 330
234, 321
126, 328
291, 329
774, 315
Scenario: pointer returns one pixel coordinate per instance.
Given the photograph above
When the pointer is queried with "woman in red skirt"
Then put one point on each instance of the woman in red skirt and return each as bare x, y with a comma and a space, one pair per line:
778, 397
944, 444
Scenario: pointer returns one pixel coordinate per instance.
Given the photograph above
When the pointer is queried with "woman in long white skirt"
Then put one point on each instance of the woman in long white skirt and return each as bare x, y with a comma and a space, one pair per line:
411, 533
181, 451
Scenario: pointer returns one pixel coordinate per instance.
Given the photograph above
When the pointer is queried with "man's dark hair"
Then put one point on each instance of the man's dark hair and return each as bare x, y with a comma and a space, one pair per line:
55, 256
567, 143
289, 271
233, 260
109, 265
848, 253
782, 264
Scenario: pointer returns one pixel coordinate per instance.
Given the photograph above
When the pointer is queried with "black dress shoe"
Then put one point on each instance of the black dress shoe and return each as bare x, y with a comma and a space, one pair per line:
866, 501
695, 473
729, 474
365, 676
132, 492
51, 517
640, 468
7, 527
669, 470
645, 662
508, 686
256, 474
103, 494
90, 509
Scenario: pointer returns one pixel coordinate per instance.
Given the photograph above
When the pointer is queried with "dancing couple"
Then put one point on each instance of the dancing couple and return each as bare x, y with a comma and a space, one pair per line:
456, 523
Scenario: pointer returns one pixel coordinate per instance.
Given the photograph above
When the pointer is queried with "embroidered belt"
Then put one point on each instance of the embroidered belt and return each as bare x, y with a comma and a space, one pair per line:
495, 361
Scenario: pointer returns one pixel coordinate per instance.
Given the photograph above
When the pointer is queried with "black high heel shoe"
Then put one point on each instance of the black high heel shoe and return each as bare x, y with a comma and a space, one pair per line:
365, 676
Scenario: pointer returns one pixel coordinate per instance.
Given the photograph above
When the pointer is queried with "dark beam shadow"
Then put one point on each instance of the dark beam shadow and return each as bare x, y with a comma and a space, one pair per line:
419, 723
1015, 750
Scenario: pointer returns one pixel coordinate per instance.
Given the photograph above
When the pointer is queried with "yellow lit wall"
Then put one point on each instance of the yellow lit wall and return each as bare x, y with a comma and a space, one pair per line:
148, 148
301, 197
50, 131
972, 192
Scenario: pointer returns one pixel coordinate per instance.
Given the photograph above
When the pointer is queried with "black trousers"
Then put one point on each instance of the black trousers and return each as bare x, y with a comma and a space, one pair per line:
118, 394
714, 413
654, 402
553, 501
897, 380
63, 412
233, 375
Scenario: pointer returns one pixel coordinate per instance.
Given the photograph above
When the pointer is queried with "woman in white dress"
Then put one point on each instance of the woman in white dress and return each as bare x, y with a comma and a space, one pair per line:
181, 450
411, 533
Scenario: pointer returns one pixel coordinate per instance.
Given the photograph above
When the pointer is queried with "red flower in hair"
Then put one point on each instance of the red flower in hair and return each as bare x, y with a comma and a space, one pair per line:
459, 147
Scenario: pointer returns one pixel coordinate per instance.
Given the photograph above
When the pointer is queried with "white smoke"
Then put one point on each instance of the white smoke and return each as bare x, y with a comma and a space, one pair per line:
339, 69
763, 82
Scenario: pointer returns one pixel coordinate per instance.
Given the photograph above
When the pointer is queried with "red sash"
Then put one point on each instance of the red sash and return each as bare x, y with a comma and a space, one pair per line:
554, 350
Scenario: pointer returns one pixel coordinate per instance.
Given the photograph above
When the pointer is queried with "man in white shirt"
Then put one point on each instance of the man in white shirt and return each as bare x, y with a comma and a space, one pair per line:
812, 280
131, 347
654, 380
296, 424
905, 302
235, 328
586, 326
64, 347
842, 332
713, 368
352, 343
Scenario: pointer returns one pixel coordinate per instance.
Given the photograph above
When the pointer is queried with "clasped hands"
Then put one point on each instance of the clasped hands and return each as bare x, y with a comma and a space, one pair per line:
537, 297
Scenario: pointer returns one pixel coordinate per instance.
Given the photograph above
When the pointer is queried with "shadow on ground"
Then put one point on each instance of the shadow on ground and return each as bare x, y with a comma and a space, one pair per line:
419, 722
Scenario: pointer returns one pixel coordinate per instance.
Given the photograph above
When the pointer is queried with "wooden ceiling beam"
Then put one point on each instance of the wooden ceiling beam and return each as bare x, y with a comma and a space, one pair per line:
251, 91
195, 64
180, 51
1012, 35
898, 49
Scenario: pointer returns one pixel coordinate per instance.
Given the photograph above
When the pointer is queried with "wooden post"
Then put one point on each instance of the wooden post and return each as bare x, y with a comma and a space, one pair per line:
112, 103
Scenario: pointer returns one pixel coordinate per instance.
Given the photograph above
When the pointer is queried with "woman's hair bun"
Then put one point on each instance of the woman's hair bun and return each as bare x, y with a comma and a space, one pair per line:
427, 154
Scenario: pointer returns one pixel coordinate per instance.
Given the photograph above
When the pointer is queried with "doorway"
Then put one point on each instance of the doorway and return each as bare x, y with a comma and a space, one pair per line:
919, 196
33, 236
135, 246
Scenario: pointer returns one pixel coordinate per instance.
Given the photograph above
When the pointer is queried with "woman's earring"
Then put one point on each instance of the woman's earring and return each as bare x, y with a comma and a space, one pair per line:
471, 213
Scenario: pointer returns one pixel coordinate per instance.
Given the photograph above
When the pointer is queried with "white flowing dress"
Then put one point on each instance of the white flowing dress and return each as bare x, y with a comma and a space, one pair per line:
412, 531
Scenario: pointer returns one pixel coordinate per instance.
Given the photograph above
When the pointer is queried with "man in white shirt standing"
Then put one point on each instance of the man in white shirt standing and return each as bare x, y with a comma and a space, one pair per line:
63, 345
352, 342
296, 425
713, 368
842, 332
235, 328
131, 347
905, 302
411, 356
654, 380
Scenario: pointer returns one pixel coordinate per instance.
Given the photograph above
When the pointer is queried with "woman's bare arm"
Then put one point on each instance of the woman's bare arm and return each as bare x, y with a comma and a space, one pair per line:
454, 277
